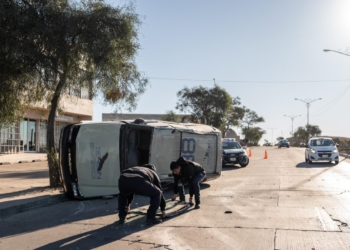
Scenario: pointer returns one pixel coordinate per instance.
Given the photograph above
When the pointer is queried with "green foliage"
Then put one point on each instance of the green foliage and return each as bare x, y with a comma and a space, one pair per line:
211, 106
48, 47
251, 118
252, 135
313, 130
301, 133
306, 132
234, 116
170, 116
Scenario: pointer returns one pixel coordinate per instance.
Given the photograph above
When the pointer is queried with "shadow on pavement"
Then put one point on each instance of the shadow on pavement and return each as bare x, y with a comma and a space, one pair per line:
99, 237
33, 190
74, 213
39, 174
315, 165
230, 167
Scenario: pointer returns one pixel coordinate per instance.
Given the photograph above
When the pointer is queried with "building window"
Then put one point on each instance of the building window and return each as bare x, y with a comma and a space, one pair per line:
9, 139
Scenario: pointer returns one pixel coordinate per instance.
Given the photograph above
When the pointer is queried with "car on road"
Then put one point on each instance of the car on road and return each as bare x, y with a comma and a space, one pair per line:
233, 153
283, 143
92, 155
321, 149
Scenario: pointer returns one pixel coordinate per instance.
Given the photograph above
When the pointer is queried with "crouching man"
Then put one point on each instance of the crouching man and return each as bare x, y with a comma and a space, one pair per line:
143, 181
191, 171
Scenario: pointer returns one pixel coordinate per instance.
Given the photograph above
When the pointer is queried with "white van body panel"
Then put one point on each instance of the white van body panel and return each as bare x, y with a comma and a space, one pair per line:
98, 147
93, 155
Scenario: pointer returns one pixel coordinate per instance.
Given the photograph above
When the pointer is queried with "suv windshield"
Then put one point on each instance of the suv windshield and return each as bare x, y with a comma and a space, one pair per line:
322, 142
230, 145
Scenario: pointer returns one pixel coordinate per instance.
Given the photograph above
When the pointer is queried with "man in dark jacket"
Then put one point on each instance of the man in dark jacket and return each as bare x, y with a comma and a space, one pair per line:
191, 171
143, 181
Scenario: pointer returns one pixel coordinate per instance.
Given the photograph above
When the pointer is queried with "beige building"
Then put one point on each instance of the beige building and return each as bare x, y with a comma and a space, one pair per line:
29, 134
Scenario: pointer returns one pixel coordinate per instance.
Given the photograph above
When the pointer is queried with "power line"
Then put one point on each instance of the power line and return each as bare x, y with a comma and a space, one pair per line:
332, 103
199, 80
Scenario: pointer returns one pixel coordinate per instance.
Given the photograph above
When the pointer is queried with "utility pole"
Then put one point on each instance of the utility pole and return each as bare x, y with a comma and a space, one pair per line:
292, 118
308, 103
272, 135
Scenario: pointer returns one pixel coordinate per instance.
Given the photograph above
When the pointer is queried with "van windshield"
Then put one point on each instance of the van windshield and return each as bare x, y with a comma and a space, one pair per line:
230, 145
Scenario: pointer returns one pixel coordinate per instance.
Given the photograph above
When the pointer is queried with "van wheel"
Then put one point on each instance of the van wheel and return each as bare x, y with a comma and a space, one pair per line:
306, 160
336, 162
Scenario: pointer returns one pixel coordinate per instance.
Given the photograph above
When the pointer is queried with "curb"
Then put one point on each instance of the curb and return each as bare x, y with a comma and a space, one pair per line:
54, 199
24, 161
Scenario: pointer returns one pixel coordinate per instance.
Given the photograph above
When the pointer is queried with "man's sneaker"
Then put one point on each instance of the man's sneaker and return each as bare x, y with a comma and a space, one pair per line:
198, 206
154, 221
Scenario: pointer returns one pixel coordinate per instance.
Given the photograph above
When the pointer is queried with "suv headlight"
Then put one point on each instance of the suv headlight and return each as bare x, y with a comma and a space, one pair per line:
313, 151
335, 150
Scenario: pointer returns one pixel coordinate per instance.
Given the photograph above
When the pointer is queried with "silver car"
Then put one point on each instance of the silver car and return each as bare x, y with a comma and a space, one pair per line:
321, 149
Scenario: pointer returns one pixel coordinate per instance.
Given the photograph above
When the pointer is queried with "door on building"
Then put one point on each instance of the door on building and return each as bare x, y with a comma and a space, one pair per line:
28, 135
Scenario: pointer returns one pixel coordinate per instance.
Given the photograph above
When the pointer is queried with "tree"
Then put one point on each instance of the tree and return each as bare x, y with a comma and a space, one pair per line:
251, 118
306, 132
234, 115
313, 130
252, 135
280, 138
170, 116
62, 44
211, 106
301, 133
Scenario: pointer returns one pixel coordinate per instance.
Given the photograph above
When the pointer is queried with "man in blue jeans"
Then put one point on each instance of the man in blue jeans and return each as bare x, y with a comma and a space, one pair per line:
191, 171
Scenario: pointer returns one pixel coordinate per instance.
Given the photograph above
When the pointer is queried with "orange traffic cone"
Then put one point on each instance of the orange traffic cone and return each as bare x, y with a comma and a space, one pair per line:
250, 153
265, 156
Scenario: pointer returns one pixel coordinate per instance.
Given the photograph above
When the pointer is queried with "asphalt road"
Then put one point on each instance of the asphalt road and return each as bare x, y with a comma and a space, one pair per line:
275, 203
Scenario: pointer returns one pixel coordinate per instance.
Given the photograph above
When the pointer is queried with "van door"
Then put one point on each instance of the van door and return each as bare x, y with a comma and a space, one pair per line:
164, 149
97, 159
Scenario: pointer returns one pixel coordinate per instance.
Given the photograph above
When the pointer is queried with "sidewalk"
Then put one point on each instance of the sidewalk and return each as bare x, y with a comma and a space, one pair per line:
22, 158
25, 185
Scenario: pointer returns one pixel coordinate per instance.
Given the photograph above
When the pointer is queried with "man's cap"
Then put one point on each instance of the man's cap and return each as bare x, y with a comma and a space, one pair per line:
150, 166
174, 165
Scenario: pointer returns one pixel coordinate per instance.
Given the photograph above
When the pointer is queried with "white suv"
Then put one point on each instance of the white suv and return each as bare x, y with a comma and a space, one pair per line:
321, 149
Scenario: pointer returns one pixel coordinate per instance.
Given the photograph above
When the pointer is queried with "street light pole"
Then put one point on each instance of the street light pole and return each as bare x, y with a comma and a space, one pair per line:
272, 135
292, 117
330, 50
308, 103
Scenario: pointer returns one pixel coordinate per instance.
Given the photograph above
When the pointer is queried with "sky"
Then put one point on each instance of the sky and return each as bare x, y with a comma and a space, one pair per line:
267, 53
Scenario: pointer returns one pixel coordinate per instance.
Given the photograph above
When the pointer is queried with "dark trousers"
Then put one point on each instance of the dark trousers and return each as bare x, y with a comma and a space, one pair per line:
195, 183
128, 186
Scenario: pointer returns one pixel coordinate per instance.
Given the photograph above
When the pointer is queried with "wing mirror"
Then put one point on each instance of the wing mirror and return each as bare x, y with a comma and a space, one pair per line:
244, 147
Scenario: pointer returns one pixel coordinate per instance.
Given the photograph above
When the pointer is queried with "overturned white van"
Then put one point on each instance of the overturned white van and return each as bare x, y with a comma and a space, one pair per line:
92, 155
